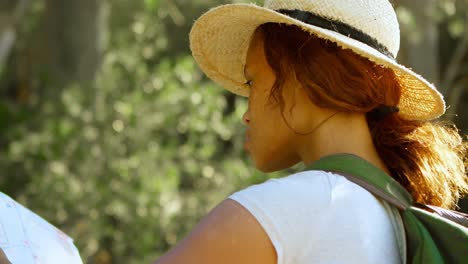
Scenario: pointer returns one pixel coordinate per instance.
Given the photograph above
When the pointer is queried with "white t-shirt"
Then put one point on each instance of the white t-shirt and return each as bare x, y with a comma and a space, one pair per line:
321, 217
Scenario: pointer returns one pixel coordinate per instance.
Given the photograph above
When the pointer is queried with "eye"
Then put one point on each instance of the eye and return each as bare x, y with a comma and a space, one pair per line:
249, 83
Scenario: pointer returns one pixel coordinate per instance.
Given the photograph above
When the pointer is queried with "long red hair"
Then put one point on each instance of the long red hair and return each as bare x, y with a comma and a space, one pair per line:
427, 158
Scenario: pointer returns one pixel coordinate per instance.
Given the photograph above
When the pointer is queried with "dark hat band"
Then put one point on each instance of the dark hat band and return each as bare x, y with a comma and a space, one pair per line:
383, 112
337, 26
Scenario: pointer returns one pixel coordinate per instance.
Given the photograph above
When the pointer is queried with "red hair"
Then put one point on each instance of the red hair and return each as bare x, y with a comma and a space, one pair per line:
427, 158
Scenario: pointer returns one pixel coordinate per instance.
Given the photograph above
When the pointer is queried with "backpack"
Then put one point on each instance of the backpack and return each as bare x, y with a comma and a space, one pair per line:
433, 235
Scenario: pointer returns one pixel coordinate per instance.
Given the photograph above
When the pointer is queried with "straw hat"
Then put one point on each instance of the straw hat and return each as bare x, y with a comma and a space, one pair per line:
220, 38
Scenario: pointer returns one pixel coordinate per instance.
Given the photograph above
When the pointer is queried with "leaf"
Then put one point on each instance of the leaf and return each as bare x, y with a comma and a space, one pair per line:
152, 5
456, 27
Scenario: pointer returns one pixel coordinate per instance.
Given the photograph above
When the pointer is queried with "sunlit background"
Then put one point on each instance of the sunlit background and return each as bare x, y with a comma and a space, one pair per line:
110, 131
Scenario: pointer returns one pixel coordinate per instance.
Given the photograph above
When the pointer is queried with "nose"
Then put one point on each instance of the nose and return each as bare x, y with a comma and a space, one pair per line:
246, 117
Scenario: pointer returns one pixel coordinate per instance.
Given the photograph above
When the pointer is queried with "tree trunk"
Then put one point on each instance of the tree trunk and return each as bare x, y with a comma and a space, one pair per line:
72, 41
419, 43
10, 13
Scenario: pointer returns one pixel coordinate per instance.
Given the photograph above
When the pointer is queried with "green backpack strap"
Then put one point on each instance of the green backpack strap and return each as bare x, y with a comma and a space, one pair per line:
366, 175
421, 246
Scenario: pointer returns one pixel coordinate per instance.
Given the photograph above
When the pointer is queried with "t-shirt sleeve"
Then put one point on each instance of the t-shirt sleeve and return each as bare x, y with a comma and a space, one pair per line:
270, 203
311, 216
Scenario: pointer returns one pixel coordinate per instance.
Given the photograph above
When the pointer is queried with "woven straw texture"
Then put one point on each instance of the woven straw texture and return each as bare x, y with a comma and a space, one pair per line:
383, 26
220, 38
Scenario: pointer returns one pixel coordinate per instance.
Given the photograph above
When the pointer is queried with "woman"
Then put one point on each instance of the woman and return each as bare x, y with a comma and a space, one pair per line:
322, 79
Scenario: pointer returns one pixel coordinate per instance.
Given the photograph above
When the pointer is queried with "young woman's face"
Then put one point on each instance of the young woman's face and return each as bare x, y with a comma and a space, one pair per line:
268, 138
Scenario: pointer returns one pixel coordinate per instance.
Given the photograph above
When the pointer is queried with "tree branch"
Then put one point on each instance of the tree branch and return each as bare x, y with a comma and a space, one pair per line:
454, 97
453, 68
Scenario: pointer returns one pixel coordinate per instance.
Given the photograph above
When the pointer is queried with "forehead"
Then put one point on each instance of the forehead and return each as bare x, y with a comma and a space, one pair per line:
255, 52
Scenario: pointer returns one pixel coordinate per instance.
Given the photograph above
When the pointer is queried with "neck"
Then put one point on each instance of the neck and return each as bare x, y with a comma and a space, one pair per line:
344, 133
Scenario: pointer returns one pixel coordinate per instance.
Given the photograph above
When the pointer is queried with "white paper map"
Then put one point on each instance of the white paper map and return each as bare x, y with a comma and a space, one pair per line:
26, 238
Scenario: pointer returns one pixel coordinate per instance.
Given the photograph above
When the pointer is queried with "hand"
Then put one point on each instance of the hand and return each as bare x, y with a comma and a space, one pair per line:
3, 258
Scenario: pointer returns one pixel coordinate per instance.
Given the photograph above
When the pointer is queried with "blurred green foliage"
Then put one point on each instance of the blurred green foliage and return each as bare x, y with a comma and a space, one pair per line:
126, 164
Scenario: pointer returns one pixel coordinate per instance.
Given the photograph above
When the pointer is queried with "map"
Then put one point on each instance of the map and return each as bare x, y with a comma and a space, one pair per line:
27, 238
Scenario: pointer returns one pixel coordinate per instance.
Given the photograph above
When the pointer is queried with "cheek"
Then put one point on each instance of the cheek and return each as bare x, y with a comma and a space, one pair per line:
272, 153
270, 139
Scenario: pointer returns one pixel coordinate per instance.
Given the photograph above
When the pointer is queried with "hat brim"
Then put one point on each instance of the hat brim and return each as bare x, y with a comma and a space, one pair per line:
220, 38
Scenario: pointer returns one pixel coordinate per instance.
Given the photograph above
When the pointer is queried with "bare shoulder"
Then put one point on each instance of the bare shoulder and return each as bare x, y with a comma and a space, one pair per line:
228, 234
